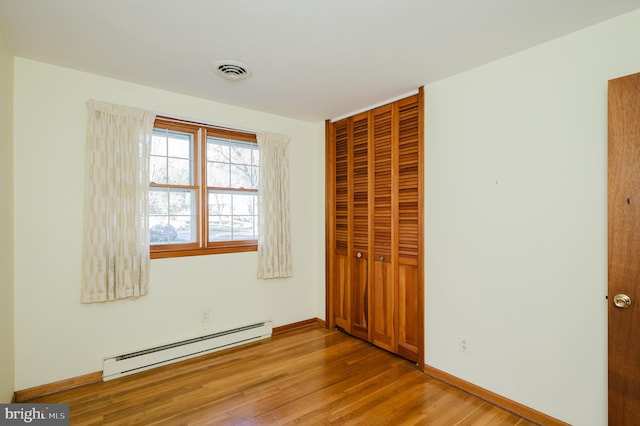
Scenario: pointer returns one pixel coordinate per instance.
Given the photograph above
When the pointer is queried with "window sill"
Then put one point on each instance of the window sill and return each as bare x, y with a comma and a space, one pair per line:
203, 251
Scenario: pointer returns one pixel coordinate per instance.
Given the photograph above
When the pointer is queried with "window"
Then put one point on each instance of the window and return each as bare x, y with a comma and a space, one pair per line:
203, 195
232, 180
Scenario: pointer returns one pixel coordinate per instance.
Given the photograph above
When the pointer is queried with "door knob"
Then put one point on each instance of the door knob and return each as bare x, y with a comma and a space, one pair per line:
381, 258
621, 301
359, 254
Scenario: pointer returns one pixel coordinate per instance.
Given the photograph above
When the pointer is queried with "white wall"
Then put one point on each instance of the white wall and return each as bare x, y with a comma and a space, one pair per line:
516, 221
6, 222
59, 338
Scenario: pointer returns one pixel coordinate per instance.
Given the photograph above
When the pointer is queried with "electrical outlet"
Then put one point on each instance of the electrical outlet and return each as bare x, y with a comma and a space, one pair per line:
205, 316
464, 344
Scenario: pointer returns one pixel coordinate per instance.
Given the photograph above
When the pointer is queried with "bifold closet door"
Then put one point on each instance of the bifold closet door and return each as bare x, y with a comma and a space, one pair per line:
374, 234
360, 226
408, 204
339, 263
382, 279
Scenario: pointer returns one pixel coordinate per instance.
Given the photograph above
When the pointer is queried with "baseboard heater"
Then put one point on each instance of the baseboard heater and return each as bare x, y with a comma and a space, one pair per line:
134, 362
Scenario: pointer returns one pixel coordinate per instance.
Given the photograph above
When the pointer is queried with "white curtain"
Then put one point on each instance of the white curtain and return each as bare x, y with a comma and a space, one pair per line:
274, 239
115, 261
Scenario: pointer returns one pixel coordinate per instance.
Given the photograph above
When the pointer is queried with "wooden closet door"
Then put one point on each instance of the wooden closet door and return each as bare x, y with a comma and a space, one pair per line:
382, 282
409, 227
374, 226
360, 228
339, 264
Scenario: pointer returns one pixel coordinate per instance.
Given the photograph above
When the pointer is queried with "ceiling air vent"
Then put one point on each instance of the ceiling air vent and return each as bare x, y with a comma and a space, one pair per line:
232, 70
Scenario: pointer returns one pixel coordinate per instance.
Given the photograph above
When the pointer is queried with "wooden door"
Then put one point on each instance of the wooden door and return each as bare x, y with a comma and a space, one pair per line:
339, 258
409, 201
382, 281
375, 226
360, 226
624, 251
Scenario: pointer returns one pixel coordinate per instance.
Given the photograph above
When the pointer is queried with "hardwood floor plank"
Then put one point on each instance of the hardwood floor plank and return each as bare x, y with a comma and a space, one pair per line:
307, 376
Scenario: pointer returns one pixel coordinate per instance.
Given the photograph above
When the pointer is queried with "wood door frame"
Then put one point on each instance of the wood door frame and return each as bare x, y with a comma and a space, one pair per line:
421, 234
329, 223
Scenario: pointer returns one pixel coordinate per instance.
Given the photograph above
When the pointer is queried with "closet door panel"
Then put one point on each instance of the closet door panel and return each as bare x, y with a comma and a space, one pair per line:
360, 220
341, 209
409, 226
382, 282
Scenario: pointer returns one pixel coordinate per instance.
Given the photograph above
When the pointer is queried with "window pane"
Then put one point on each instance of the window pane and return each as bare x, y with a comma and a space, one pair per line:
159, 144
218, 174
241, 176
219, 204
220, 228
182, 202
232, 216
161, 232
185, 227
171, 160
158, 202
179, 171
243, 228
244, 220
255, 175
232, 164
172, 215
243, 204
255, 157
216, 151
240, 154
179, 145
158, 169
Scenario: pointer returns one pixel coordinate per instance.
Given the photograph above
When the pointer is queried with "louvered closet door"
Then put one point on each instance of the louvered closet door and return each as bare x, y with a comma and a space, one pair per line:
382, 291
341, 211
375, 258
360, 228
409, 226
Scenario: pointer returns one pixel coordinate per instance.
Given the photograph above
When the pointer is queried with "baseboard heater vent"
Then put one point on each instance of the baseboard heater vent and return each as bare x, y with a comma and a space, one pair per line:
134, 362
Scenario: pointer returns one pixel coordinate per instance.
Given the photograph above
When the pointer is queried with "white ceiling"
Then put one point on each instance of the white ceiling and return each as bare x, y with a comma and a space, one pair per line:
311, 60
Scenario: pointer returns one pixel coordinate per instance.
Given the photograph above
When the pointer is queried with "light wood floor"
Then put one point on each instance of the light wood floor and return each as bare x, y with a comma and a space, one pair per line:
307, 376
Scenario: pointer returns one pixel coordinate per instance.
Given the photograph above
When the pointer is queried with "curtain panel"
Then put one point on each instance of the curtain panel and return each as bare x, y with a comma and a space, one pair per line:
274, 239
115, 261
